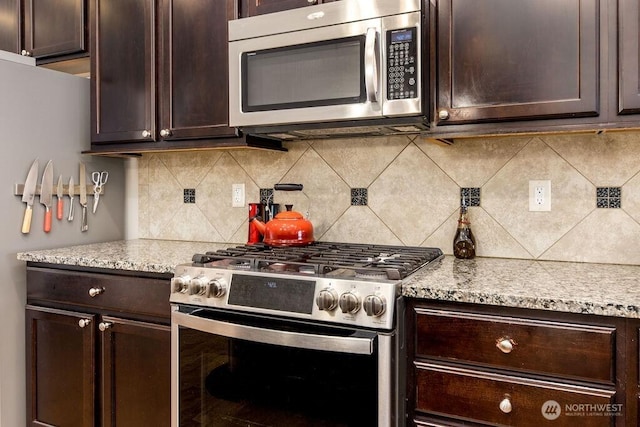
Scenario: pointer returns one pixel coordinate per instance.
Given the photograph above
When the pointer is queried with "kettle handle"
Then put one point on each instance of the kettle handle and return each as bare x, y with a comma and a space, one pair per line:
288, 187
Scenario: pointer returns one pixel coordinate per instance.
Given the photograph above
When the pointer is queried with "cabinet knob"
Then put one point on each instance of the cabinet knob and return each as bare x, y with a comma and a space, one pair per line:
165, 132
103, 326
505, 345
443, 114
25, 52
84, 322
146, 134
505, 405
94, 292
312, 1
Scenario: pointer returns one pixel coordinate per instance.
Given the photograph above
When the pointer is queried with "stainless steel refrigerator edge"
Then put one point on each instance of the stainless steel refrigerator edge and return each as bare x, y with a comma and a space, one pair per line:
43, 114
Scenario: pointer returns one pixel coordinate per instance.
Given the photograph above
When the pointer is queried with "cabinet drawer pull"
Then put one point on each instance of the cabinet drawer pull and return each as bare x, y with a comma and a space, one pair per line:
505, 405
94, 292
103, 326
84, 322
505, 345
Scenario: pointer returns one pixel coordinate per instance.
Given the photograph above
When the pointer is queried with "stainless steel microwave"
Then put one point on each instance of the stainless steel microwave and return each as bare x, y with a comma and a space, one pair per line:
341, 68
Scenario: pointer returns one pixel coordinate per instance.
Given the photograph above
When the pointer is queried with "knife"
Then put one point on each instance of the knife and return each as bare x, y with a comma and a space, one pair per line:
59, 194
46, 194
83, 197
71, 194
28, 194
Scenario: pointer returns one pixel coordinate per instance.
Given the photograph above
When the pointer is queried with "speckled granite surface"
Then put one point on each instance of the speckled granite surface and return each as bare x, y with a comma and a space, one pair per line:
603, 289
157, 256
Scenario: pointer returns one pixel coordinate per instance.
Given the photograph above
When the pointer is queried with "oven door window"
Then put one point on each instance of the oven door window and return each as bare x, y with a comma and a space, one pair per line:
231, 382
324, 73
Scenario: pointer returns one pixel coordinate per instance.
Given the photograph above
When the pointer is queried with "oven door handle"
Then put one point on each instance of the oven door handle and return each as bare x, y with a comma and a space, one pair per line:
355, 345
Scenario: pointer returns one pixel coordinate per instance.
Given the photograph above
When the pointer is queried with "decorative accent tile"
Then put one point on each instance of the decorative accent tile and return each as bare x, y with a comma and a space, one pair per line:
470, 196
358, 197
266, 195
189, 195
609, 197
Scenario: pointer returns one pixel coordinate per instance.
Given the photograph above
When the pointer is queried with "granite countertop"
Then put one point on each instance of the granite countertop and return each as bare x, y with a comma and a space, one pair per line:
603, 289
156, 256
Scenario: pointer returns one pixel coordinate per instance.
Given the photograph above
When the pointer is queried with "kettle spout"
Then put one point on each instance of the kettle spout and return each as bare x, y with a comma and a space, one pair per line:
260, 226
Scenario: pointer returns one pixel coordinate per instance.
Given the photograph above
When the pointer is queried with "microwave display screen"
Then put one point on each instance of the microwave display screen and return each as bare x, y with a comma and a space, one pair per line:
401, 36
329, 72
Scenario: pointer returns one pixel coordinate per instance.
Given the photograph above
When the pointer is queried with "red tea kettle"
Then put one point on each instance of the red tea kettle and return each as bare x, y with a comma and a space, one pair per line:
288, 228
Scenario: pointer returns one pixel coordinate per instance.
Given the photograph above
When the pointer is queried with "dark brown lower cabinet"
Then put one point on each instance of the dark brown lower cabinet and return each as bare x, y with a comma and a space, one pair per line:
479, 365
91, 359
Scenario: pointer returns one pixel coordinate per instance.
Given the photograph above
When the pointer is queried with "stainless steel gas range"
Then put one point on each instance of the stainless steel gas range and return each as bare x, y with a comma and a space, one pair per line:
270, 336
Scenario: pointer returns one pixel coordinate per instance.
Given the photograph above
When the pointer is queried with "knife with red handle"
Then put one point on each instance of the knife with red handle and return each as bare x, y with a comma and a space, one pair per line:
46, 194
59, 192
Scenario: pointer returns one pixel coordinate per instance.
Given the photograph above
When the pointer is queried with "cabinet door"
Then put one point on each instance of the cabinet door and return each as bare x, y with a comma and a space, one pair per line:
53, 27
10, 28
507, 60
260, 7
193, 89
123, 71
628, 63
136, 374
60, 367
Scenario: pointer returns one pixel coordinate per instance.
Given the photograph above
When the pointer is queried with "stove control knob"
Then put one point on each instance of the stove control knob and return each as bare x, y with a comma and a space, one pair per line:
327, 299
217, 288
349, 303
374, 305
199, 286
180, 284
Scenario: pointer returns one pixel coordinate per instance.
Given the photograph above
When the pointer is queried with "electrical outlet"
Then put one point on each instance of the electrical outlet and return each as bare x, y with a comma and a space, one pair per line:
540, 196
237, 195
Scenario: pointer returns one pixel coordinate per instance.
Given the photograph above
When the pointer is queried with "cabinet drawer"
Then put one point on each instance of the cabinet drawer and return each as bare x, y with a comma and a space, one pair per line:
139, 295
444, 391
555, 348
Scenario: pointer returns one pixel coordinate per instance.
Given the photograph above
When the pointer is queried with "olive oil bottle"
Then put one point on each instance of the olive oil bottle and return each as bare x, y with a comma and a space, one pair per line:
464, 244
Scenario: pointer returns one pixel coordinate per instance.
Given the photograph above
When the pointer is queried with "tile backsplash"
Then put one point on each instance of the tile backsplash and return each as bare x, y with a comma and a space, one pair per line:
413, 191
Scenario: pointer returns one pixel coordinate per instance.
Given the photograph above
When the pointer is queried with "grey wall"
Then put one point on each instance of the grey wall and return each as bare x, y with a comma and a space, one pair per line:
43, 114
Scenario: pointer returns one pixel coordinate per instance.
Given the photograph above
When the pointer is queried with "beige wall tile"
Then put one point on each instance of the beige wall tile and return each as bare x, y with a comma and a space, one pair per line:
359, 167
413, 191
506, 197
413, 196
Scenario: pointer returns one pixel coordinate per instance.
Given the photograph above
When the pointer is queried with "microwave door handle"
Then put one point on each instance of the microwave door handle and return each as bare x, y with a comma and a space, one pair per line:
371, 64
340, 344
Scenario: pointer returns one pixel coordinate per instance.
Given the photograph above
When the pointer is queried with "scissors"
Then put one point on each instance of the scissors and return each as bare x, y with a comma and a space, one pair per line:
99, 180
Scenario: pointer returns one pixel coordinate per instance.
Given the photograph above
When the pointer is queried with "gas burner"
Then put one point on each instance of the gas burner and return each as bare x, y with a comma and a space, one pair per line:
344, 260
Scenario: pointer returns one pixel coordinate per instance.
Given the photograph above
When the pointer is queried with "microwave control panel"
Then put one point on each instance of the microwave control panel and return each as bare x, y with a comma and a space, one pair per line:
402, 67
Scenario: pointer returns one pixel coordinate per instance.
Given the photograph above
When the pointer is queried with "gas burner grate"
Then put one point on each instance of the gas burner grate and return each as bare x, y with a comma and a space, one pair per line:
348, 260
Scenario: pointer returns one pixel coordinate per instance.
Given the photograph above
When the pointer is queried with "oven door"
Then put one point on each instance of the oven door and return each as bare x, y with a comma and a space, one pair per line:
248, 370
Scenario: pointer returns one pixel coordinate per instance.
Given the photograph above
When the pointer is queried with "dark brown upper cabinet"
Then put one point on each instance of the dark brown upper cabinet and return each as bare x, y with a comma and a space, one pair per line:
260, 7
123, 70
10, 28
53, 28
628, 64
194, 70
160, 73
502, 60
